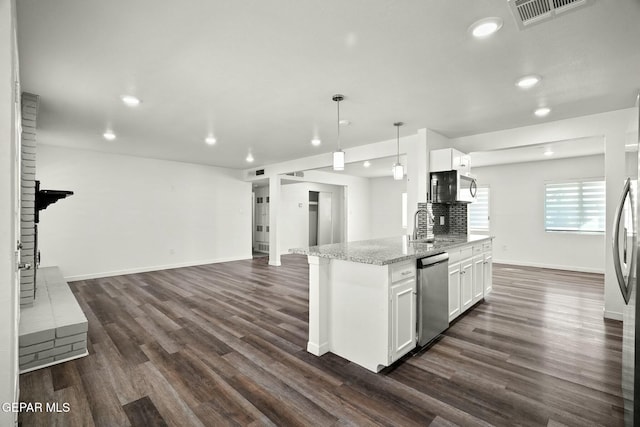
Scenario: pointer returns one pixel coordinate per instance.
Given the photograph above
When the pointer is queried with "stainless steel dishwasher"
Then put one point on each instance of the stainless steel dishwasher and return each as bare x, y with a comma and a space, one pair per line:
433, 297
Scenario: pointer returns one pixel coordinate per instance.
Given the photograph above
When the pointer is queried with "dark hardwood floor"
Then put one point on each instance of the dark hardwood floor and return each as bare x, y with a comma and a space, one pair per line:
224, 344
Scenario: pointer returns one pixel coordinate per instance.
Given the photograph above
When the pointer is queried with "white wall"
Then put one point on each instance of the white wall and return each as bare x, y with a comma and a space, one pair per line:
385, 205
8, 188
131, 214
615, 126
356, 190
294, 211
517, 215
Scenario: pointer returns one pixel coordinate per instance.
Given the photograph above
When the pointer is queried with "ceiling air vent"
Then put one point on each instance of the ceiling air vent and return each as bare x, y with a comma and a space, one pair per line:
260, 172
529, 12
298, 174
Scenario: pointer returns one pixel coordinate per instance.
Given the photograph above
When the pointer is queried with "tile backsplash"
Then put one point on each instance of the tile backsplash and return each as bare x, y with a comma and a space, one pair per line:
455, 218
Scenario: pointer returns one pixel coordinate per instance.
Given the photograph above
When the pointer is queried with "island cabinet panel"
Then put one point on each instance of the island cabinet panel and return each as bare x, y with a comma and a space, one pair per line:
403, 319
371, 319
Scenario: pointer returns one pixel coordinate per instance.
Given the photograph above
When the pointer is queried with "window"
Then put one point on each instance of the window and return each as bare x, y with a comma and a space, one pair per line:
404, 210
575, 206
479, 210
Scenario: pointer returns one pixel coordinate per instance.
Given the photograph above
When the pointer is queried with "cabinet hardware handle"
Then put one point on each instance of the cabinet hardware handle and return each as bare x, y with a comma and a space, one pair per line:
404, 273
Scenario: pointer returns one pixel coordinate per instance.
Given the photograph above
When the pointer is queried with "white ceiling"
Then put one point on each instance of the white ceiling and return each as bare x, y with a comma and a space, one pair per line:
377, 167
578, 147
531, 153
260, 74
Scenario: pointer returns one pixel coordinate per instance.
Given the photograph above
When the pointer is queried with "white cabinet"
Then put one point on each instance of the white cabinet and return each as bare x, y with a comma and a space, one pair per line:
466, 284
478, 277
402, 309
488, 273
403, 318
448, 159
470, 272
370, 311
454, 290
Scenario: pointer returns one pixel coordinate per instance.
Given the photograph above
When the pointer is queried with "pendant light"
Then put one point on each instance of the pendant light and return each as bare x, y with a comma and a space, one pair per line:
338, 155
398, 169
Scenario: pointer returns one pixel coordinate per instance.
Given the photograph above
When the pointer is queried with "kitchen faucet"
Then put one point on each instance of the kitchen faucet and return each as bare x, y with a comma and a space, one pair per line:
430, 221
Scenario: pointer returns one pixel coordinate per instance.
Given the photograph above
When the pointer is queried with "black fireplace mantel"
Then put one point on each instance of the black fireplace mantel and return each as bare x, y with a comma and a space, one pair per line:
46, 197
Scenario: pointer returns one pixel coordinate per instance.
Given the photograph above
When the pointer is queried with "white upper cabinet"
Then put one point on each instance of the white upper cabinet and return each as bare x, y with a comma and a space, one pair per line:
448, 159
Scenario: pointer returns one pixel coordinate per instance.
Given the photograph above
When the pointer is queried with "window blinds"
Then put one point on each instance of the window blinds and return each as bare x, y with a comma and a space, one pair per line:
575, 206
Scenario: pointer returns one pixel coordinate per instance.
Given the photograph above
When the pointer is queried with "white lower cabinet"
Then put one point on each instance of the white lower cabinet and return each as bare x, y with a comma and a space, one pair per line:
478, 277
470, 270
403, 318
371, 312
454, 291
466, 284
488, 273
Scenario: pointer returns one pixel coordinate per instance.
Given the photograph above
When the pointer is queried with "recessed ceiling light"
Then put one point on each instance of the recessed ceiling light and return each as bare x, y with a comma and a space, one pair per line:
528, 82
542, 112
109, 136
315, 142
344, 122
210, 140
249, 158
548, 153
366, 164
130, 100
485, 27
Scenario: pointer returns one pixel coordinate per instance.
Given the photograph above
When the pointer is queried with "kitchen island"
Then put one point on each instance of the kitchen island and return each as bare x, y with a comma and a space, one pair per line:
362, 295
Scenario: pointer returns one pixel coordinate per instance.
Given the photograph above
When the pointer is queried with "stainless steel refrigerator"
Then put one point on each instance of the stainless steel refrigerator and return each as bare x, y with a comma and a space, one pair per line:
626, 263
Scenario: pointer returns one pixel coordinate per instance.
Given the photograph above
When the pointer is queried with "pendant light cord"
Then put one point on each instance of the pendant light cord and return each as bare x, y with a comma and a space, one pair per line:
338, 102
398, 128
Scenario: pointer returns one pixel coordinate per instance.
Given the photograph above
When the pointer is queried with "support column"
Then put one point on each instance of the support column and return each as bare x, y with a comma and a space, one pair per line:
319, 270
274, 207
417, 171
615, 175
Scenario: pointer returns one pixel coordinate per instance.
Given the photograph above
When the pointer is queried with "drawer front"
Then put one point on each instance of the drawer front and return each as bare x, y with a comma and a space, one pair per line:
477, 249
454, 256
401, 271
486, 246
466, 252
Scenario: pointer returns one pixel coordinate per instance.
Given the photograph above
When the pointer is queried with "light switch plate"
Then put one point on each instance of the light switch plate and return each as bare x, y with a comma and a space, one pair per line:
442, 220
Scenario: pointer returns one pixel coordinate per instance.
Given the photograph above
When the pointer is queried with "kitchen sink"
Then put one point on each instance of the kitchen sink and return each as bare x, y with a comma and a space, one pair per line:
446, 240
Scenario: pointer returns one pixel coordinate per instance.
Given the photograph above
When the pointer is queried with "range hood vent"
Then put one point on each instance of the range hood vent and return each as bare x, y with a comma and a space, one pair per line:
529, 12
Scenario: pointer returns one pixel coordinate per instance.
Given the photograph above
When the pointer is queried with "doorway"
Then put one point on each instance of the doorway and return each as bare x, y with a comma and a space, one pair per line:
260, 221
320, 218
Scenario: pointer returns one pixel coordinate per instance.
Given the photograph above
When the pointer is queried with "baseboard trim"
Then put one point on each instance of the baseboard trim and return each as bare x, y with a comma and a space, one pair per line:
152, 268
613, 315
317, 349
551, 266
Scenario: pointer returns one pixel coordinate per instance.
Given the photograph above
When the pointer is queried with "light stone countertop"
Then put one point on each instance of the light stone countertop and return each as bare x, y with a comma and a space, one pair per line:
389, 250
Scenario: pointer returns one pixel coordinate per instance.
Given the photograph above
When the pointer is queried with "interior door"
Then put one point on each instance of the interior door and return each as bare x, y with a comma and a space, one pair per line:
325, 218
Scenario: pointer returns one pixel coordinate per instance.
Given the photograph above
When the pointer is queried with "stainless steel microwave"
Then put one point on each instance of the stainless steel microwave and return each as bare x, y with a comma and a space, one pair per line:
453, 187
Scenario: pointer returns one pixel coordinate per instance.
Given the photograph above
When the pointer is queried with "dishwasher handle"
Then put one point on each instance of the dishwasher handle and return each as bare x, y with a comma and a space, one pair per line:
432, 260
